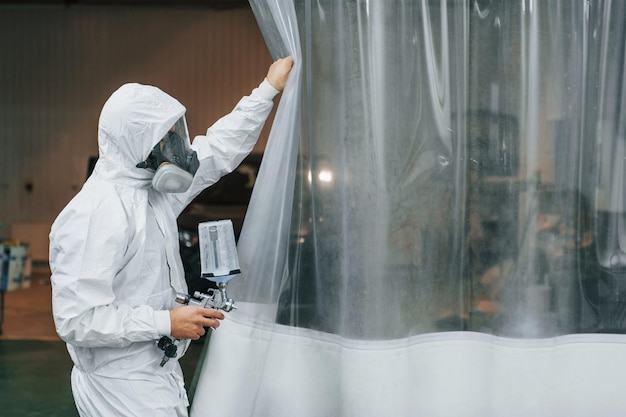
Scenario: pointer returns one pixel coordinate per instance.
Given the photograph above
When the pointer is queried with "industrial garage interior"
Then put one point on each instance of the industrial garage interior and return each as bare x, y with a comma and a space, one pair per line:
438, 225
60, 61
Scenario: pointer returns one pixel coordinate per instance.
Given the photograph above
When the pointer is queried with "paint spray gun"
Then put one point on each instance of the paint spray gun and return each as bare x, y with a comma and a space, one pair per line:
219, 263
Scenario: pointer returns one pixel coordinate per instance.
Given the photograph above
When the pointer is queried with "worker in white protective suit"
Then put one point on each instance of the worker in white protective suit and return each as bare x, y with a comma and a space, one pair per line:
114, 254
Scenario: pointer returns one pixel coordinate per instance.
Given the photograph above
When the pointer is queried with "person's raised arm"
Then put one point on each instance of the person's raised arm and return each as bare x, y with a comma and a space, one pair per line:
229, 140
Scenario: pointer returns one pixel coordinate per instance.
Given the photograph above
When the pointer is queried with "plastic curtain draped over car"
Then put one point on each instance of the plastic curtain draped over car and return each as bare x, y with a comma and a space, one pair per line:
438, 226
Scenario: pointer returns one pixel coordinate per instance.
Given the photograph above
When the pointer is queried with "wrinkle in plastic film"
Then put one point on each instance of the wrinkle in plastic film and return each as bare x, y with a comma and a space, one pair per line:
453, 166
263, 244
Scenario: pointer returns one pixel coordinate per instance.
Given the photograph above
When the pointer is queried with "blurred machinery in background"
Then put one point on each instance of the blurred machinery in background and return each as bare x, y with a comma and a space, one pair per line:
226, 199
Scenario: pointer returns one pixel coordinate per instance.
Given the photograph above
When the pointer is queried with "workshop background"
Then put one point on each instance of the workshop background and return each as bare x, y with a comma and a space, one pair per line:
60, 61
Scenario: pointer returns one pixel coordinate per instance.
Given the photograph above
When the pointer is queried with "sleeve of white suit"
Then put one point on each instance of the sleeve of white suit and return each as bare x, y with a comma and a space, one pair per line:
87, 249
229, 141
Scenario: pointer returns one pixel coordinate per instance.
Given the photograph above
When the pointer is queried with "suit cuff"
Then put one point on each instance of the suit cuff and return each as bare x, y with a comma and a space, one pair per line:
266, 91
163, 322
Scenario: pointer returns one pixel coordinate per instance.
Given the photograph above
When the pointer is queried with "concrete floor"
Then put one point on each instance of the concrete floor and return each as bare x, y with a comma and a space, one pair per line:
34, 364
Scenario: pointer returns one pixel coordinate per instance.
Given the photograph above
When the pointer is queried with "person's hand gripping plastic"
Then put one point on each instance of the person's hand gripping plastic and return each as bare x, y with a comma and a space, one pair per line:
278, 72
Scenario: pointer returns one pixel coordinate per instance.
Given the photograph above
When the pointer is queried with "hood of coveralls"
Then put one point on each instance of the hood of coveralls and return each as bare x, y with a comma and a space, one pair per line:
133, 120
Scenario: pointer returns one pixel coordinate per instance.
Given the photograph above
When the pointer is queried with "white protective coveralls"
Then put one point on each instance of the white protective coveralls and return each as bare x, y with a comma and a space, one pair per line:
114, 252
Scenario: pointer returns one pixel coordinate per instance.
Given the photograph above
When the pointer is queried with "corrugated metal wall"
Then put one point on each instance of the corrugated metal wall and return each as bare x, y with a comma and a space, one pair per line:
59, 64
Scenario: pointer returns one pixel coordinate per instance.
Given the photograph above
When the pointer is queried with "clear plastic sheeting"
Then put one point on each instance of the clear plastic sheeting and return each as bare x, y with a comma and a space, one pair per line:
457, 166
441, 201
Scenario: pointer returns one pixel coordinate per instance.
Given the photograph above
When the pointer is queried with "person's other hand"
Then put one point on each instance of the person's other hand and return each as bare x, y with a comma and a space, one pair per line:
189, 322
279, 72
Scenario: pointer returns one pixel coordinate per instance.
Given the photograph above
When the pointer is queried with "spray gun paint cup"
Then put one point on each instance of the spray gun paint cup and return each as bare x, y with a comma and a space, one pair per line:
218, 251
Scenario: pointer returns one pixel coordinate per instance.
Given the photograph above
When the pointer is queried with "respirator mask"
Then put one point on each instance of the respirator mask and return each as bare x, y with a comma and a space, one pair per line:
174, 164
